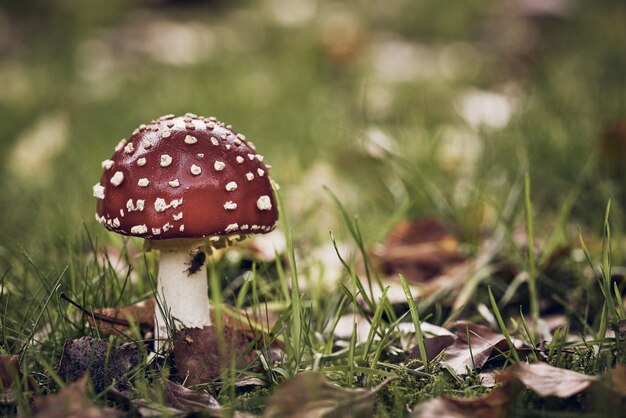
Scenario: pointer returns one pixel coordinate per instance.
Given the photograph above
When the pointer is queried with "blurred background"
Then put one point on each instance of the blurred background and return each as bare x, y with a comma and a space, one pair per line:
403, 108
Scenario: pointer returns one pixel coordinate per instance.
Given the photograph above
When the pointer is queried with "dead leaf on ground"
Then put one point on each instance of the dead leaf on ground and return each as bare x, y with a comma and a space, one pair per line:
179, 397
311, 395
546, 380
9, 370
201, 355
9, 373
102, 363
493, 405
418, 250
71, 402
433, 345
485, 345
141, 313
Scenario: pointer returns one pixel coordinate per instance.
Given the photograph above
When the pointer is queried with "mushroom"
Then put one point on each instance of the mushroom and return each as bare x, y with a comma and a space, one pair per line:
187, 185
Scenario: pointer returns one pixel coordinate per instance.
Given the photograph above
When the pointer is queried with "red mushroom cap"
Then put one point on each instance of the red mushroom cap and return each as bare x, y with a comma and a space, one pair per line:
185, 177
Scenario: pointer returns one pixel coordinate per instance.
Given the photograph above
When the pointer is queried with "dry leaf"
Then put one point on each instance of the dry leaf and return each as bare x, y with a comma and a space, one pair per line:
179, 397
310, 395
546, 380
201, 355
9, 371
419, 250
111, 320
102, 363
484, 344
493, 405
71, 402
433, 345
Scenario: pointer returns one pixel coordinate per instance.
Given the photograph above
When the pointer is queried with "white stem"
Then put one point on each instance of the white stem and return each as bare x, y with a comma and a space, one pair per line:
182, 294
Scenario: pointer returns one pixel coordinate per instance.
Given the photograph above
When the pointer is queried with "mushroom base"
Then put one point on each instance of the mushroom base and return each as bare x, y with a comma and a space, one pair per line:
182, 291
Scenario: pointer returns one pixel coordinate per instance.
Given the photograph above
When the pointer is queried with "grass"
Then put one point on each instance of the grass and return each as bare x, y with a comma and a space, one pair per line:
356, 146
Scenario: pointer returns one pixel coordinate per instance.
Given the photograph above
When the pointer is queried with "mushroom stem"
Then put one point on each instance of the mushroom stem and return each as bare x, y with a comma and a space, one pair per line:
182, 292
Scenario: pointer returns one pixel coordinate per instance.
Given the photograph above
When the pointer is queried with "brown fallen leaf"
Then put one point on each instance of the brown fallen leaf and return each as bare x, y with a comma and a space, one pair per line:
201, 355
9, 371
187, 400
546, 380
102, 363
433, 345
493, 405
311, 395
540, 378
483, 346
114, 320
418, 250
71, 402
141, 313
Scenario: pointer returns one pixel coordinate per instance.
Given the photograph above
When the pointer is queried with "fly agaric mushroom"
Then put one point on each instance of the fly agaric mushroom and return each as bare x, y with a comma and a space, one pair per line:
187, 185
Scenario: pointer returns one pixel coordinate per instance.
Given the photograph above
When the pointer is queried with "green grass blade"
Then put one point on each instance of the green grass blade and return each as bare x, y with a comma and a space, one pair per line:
505, 332
416, 322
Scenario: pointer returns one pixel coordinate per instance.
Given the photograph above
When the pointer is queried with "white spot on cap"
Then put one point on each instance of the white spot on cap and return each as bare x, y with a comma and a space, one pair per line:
98, 191
244, 227
116, 222
227, 146
117, 178
139, 229
195, 170
219, 165
260, 171
146, 144
231, 228
160, 205
141, 162
259, 157
264, 203
122, 213
210, 126
230, 205
240, 159
254, 227
251, 157
129, 148
174, 183
107, 164
249, 176
167, 227
214, 141
165, 160
166, 134
120, 145
143, 182
156, 231
176, 203
275, 185
241, 136
178, 216
182, 228
132, 207
231, 186
200, 155
190, 139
